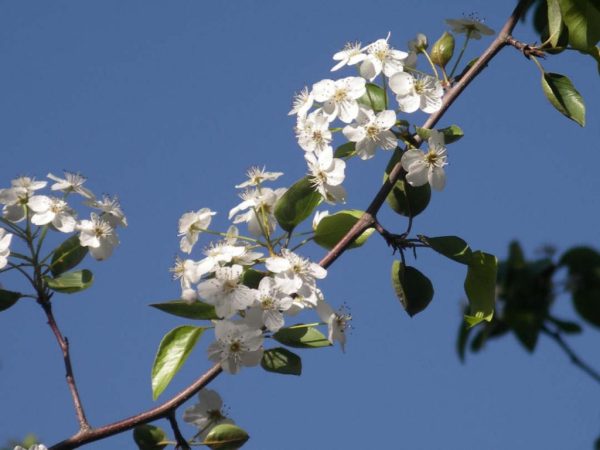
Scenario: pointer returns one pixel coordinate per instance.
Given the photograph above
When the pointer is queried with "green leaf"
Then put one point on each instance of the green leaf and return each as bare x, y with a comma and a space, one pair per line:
333, 228
8, 299
566, 326
374, 98
301, 336
71, 282
586, 300
296, 204
180, 308
67, 255
226, 437
149, 437
414, 289
451, 134
555, 23
564, 97
581, 261
281, 360
251, 278
480, 287
346, 150
451, 247
173, 350
582, 18
526, 326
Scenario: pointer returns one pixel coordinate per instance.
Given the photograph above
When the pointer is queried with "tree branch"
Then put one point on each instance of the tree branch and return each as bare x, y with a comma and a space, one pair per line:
366, 221
182, 444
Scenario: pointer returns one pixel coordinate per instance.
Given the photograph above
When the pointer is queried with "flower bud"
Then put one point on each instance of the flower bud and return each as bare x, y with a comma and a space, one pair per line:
443, 50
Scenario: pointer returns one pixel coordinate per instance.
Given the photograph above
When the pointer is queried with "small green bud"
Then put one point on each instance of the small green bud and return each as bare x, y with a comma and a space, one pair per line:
443, 49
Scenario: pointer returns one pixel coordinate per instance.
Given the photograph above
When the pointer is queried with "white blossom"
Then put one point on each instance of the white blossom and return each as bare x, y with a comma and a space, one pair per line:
111, 210
382, 58
423, 168
73, 182
302, 102
337, 322
237, 345
207, 413
351, 54
421, 92
16, 197
52, 210
191, 224
5, 239
313, 132
259, 205
226, 292
327, 174
188, 273
371, 131
257, 176
33, 447
98, 236
471, 26
273, 302
339, 97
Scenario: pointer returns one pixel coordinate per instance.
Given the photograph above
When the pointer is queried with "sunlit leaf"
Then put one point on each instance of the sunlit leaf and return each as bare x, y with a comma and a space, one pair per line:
296, 204
333, 228
226, 437
480, 287
564, 97
67, 255
451, 247
71, 282
301, 336
196, 310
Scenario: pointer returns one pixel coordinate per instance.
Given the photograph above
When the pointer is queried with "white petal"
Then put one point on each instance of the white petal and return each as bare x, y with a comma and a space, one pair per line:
418, 174
402, 83
437, 178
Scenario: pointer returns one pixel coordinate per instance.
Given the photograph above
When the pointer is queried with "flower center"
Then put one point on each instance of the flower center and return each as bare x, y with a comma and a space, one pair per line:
432, 158
372, 131
235, 347
340, 95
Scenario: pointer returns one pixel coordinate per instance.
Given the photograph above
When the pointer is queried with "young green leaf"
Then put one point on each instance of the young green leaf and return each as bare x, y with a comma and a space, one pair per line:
71, 282
226, 437
374, 98
301, 336
564, 97
333, 228
480, 287
8, 299
196, 310
67, 255
149, 437
414, 289
173, 351
281, 360
296, 204
451, 247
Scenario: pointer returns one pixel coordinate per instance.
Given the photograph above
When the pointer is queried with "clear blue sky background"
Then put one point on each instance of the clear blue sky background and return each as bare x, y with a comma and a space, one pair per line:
168, 103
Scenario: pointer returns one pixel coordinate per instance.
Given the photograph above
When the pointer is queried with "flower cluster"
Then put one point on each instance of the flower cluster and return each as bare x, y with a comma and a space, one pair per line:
22, 201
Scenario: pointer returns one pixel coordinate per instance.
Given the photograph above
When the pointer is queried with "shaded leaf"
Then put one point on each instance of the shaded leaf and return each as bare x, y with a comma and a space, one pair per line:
180, 308
451, 247
566, 326
226, 437
8, 299
404, 199
451, 134
480, 287
296, 204
414, 289
301, 336
251, 278
71, 282
374, 98
564, 97
345, 150
281, 360
173, 351
555, 23
149, 437
332, 228
582, 18
67, 255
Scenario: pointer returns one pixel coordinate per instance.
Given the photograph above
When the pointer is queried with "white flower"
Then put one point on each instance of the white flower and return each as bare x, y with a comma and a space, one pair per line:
339, 97
111, 210
422, 92
337, 322
16, 197
260, 204
226, 292
382, 58
98, 236
423, 168
296, 275
313, 132
207, 413
372, 131
351, 54
188, 273
237, 345
190, 226
273, 302
317, 218
302, 102
52, 210
73, 182
327, 174
5, 239
33, 447
257, 176
471, 26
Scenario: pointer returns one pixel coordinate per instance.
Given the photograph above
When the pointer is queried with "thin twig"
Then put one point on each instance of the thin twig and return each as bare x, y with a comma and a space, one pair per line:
575, 359
182, 444
526, 49
63, 343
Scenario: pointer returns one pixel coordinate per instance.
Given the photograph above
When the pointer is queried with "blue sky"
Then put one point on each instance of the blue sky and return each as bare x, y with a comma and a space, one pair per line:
168, 104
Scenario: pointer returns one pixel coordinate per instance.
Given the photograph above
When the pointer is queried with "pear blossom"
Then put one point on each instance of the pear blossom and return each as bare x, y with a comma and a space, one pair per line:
5, 239
256, 176
33, 447
382, 58
421, 92
188, 273
237, 345
98, 236
296, 275
226, 292
351, 54
273, 302
73, 182
111, 210
260, 204
471, 26
313, 132
327, 174
302, 102
52, 210
16, 197
337, 322
190, 226
371, 131
339, 98
207, 413
423, 168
